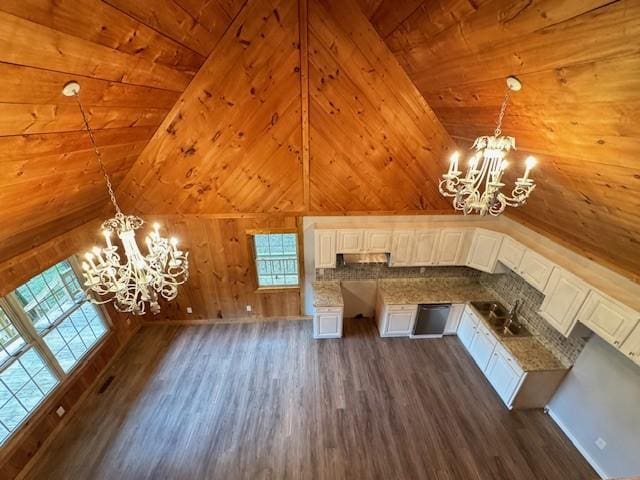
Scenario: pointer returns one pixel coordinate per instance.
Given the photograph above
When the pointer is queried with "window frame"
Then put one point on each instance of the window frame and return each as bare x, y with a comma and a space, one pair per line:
20, 320
253, 254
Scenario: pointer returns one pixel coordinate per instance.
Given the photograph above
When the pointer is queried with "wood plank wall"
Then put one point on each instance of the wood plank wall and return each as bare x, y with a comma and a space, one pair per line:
29, 439
132, 59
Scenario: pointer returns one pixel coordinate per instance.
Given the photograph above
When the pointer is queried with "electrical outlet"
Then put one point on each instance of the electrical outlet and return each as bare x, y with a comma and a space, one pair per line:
423, 269
248, 308
600, 443
60, 411
189, 310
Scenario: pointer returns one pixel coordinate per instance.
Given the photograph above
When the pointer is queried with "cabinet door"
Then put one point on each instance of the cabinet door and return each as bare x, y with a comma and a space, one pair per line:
349, 241
484, 250
425, 247
564, 296
377, 241
482, 347
399, 323
401, 248
450, 247
325, 248
535, 269
503, 376
631, 346
607, 318
453, 320
327, 324
467, 329
511, 253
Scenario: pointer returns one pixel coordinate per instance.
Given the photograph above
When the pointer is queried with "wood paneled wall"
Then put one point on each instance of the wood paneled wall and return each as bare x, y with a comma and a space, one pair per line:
232, 142
579, 63
222, 278
132, 60
29, 439
375, 143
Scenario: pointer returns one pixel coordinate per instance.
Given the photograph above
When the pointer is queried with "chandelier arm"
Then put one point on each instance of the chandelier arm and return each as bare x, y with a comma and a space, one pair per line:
112, 195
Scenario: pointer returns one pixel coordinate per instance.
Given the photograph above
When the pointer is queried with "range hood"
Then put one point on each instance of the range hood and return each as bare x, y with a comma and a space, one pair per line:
351, 258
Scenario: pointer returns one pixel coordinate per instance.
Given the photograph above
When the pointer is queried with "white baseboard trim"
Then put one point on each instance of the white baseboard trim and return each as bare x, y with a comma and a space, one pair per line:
577, 444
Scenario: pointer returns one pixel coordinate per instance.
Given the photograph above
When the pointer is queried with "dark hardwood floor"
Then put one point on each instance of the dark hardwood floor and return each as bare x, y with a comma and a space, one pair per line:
254, 401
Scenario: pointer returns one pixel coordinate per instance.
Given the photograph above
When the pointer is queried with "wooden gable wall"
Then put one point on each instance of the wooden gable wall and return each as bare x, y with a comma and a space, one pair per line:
577, 113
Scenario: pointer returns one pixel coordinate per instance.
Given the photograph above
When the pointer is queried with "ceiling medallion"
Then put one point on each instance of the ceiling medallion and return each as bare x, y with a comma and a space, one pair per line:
141, 279
485, 170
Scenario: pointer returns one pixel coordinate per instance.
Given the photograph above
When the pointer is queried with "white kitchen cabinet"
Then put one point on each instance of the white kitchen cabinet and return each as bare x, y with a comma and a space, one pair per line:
511, 253
467, 328
327, 322
349, 241
396, 320
453, 320
483, 253
482, 346
377, 241
631, 346
325, 248
425, 247
608, 318
451, 246
535, 270
401, 248
504, 374
564, 295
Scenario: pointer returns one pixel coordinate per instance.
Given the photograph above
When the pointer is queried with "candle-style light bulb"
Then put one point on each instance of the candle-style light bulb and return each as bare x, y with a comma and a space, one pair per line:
529, 164
85, 266
453, 162
107, 237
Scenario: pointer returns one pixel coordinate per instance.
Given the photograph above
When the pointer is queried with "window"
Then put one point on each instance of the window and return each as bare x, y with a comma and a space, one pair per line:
47, 326
276, 259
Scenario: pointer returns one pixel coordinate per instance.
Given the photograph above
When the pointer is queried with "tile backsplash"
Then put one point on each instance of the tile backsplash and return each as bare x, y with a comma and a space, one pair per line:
510, 287
507, 287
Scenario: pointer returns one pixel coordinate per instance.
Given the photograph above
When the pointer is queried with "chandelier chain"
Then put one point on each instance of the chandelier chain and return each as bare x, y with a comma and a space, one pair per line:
98, 155
503, 108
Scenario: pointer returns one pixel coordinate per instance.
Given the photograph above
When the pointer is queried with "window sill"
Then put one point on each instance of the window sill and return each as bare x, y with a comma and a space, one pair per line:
283, 288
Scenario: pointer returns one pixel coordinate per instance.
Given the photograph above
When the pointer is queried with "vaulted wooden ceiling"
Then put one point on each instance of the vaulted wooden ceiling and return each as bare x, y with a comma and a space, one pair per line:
317, 106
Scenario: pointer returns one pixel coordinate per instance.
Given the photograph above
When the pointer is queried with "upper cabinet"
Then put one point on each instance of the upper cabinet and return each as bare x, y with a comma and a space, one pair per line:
535, 269
425, 247
325, 248
451, 246
511, 253
401, 248
564, 295
609, 319
377, 241
349, 241
483, 253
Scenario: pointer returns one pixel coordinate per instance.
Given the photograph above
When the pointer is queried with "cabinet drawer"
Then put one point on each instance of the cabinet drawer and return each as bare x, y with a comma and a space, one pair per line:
401, 308
328, 309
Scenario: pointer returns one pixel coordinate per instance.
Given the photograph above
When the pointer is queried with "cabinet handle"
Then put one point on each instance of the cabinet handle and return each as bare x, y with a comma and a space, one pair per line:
616, 343
632, 354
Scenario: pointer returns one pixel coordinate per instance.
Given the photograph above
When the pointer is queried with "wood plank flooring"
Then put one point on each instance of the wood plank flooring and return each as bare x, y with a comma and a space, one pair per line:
266, 401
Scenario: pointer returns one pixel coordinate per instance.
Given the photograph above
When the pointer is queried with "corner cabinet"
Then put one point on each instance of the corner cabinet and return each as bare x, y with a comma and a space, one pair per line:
483, 253
401, 248
325, 248
607, 318
327, 322
564, 295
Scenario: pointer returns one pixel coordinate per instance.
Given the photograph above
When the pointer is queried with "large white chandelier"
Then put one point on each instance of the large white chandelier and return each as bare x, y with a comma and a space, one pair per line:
142, 278
485, 170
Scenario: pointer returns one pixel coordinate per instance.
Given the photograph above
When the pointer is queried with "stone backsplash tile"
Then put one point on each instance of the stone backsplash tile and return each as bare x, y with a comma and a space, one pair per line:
373, 271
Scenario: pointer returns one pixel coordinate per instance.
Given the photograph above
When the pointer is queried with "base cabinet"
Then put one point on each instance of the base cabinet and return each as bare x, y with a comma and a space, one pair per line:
467, 328
395, 320
504, 374
327, 322
482, 346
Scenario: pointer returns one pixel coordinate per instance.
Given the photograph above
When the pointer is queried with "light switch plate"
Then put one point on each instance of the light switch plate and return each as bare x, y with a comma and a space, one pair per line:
248, 308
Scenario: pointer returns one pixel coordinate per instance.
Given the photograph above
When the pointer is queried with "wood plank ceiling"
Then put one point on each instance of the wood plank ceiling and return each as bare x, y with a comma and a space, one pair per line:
579, 62
132, 59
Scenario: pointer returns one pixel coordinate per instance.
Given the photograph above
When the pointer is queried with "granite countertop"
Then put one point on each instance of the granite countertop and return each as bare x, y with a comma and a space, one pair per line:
327, 294
413, 291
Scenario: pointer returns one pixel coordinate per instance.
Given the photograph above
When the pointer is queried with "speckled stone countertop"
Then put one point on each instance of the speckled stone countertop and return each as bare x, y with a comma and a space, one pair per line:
327, 294
413, 291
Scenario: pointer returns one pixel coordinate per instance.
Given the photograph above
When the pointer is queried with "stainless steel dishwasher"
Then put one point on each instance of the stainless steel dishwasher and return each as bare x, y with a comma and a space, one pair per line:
431, 320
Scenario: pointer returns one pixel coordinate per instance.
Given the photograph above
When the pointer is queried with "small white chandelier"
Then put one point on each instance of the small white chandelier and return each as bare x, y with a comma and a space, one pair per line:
486, 167
142, 278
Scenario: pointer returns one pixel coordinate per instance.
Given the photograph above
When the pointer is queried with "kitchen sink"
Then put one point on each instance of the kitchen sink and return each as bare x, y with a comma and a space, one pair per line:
497, 316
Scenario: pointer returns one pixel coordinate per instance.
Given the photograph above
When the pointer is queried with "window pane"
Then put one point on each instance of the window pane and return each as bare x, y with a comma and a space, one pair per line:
276, 259
10, 340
